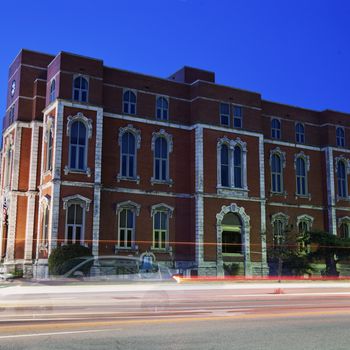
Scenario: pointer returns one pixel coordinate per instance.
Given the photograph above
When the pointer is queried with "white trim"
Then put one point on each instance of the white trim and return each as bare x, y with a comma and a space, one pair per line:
199, 200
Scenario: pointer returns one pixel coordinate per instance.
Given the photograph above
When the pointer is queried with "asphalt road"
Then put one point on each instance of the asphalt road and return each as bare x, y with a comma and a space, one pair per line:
192, 316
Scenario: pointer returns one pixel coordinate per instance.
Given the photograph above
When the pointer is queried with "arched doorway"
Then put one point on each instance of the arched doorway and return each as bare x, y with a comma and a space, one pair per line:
233, 236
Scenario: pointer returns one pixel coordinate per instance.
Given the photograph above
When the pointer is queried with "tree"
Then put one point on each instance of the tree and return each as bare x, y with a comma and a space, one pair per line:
286, 258
329, 248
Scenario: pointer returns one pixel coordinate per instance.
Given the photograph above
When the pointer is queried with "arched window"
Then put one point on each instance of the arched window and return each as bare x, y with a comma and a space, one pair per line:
126, 228
78, 146
128, 155
278, 233
161, 162
340, 135
237, 164
129, 102
76, 207
231, 234
276, 129
299, 133
52, 90
127, 212
342, 180
45, 225
344, 230
225, 166
279, 222
301, 180
161, 214
162, 108
80, 89
276, 174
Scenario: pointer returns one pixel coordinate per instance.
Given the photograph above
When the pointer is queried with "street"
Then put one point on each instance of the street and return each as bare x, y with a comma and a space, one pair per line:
175, 316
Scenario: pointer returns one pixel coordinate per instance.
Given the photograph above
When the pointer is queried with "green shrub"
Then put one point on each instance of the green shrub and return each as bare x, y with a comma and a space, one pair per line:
231, 269
64, 258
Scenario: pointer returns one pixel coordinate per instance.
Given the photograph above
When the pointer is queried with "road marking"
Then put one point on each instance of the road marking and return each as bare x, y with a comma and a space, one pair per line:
54, 333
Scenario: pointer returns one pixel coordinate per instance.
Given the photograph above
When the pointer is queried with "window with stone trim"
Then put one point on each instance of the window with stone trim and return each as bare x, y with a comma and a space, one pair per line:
276, 174
301, 177
52, 91
304, 225
128, 155
161, 159
299, 133
342, 179
76, 207
162, 112
276, 129
344, 230
49, 153
232, 162
340, 136
45, 225
129, 142
78, 146
129, 102
279, 222
161, 214
127, 212
80, 89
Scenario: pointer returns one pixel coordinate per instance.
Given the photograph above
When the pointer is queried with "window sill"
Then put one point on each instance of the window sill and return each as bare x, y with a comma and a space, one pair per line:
233, 254
134, 249
162, 250
303, 196
279, 194
86, 172
232, 191
162, 182
131, 179
344, 199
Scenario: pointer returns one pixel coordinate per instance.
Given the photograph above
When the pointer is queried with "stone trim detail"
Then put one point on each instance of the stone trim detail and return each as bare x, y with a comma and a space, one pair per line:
79, 117
330, 190
305, 157
343, 159
76, 199
162, 207
128, 205
305, 218
233, 208
97, 185
199, 200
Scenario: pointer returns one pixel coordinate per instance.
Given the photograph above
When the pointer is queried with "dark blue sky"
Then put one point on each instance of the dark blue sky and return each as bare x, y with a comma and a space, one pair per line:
295, 52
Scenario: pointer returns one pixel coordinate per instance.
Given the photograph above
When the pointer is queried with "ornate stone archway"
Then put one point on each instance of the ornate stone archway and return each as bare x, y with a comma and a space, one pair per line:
233, 208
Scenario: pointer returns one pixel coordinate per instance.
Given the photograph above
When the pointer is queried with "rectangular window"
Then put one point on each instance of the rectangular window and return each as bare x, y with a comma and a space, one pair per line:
237, 117
225, 114
160, 230
74, 229
126, 228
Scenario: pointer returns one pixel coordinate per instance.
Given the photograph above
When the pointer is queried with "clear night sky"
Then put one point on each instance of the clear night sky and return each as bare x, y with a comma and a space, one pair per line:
295, 52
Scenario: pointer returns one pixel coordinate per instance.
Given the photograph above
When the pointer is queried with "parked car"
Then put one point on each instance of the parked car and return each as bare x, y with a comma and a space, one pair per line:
115, 268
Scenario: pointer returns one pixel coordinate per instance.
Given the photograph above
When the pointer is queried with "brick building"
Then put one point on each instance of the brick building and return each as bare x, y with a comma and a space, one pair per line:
181, 169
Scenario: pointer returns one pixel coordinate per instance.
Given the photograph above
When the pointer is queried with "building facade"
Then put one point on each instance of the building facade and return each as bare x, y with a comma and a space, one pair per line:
182, 170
